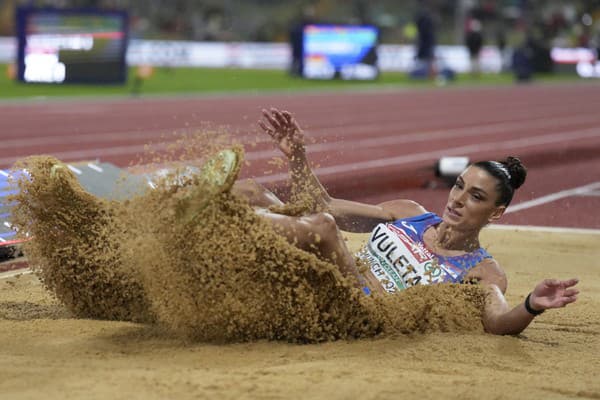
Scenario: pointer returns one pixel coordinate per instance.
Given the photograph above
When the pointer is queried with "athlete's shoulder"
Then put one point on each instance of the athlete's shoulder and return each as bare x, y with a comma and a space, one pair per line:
400, 209
488, 271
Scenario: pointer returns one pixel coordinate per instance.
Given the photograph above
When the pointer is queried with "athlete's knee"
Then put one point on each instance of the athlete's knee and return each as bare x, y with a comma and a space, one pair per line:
255, 193
246, 187
326, 241
323, 224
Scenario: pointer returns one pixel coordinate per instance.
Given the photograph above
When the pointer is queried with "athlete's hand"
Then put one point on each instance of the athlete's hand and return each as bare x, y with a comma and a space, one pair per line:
552, 293
285, 131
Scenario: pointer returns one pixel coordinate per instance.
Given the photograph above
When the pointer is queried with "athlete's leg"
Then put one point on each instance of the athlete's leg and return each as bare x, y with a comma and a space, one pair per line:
217, 175
318, 234
257, 195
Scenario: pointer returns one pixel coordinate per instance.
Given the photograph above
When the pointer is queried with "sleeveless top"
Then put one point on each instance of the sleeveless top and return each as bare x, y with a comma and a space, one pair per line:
398, 257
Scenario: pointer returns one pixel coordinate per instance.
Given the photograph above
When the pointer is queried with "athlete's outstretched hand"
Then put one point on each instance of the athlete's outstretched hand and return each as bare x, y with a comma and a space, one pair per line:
552, 293
285, 131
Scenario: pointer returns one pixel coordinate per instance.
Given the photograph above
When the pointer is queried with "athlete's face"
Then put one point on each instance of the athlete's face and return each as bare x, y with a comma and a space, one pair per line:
472, 200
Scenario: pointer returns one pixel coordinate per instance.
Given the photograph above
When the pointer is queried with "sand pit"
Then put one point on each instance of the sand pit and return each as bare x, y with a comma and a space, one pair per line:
46, 352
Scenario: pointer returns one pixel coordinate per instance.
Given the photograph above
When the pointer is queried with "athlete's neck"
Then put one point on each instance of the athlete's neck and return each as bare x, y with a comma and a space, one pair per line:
450, 238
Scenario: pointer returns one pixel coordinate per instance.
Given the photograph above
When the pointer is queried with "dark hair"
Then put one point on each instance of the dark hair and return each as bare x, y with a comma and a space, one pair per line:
510, 174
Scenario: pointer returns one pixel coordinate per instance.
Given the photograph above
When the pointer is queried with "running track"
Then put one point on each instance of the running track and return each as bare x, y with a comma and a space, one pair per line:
368, 145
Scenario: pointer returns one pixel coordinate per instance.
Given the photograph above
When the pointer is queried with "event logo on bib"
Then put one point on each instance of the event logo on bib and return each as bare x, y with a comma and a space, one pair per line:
418, 250
398, 262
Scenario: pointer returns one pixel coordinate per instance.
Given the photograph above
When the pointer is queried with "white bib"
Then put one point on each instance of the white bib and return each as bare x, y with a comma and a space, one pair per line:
398, 262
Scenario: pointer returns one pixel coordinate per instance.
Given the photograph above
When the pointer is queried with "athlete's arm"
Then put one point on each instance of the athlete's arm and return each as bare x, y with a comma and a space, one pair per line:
350, 215
286, 133
499, 319
488, 272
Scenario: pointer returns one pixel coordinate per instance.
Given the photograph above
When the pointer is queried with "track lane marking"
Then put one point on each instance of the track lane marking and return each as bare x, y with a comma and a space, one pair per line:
95, 167
82, 138
394, 139
481, 129
12, 274
544, 229
433, 155
265, 154
580, 190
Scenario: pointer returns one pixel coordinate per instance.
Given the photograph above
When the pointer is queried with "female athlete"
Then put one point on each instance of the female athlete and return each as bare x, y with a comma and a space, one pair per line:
408, 245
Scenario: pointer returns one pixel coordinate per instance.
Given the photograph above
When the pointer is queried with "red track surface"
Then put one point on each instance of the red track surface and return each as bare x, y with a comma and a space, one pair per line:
369, 146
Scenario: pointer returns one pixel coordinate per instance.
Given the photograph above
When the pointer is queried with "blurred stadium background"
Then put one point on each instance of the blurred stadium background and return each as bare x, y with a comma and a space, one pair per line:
557, 34
379, 141
185, 46
555, 22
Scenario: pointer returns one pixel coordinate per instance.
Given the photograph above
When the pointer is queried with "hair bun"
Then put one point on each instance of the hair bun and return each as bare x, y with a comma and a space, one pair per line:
517, 171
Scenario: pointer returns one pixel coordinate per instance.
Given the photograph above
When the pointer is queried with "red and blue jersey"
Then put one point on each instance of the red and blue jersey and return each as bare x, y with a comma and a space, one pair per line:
399, 258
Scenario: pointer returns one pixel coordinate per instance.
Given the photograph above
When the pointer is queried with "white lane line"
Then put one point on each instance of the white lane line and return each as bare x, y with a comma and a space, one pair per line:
544, 229
76, 170
95, 167
12, 274
481, 129
433, 155
96, 153
395, 138
84, 138
139, 148
4, 173
553, 197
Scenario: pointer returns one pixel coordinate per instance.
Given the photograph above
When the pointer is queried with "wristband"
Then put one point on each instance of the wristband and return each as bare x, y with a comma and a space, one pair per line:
529, 309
